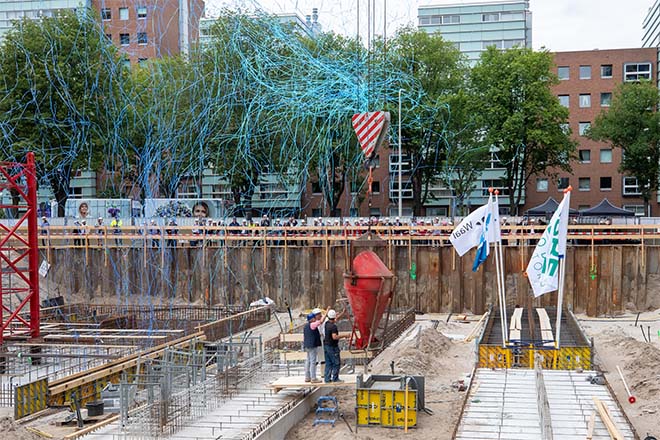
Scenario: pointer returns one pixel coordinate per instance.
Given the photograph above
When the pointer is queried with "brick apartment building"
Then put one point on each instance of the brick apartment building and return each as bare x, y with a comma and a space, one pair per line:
588, 79
384, 200
148, 29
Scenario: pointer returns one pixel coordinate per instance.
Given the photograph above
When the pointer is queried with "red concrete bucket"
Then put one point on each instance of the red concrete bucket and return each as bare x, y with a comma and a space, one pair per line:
369, 291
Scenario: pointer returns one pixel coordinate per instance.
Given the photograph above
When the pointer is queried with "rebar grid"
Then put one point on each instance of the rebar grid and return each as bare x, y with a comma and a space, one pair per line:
24, 363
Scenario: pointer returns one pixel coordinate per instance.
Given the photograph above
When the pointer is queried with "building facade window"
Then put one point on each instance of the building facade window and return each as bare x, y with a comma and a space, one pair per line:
606, 155
374, 212
631, 186
499, 44
636, 71
565, 128
585, 156
106, 14
141, 12
583, 127
585, 100
564, 72
562, 183
142, 61
542, 185
495, 184
637, 209
584, 183
123, 13
564, 100
142, 38
490, 17
606, 71
109, 37
585, 72
126, 63
606, 184
439, 19
605, 99
124, 39
375, 187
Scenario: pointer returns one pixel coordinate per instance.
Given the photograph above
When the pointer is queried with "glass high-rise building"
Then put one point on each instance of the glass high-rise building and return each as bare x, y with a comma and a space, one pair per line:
651, 26
475, 26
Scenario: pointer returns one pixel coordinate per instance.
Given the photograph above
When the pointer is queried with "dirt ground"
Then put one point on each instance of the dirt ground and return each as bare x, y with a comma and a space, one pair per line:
10, 430
440, 355
618, 341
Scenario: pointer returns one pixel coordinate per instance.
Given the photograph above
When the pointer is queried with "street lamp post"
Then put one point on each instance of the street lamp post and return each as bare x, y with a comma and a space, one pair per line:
400, 161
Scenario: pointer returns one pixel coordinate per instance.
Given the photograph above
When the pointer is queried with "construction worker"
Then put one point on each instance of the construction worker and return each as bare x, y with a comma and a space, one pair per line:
311, 343
331, 348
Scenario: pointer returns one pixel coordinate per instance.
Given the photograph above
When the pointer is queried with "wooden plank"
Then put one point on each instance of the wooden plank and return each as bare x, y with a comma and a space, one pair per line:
92, 428
293, 356
79, 337
605, 416
516, 318
299, 382
591, 425
298, 337
544, 319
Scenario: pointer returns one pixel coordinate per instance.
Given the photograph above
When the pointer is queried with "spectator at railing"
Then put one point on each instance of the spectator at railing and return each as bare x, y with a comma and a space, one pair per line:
44, 230
154, 232
172, 232
77, 232
100, 230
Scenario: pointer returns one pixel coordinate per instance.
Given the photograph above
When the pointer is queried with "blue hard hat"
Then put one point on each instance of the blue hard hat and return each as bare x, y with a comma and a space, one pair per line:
310, 316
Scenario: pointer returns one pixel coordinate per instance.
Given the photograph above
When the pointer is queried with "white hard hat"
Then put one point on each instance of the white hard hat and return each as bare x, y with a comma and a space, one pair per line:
317, 311
332, 314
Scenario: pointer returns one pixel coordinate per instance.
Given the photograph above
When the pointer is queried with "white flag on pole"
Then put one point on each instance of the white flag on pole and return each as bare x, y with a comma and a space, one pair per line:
543, 268
468, 232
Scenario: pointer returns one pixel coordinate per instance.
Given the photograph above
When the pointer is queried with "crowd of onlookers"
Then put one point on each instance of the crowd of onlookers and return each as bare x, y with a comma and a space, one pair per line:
273, 231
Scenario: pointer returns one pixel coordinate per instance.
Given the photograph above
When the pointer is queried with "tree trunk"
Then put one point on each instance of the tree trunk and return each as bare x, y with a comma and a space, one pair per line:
60, 187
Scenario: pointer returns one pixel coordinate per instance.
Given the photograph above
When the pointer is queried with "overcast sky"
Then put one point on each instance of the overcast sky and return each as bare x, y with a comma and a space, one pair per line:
559, 25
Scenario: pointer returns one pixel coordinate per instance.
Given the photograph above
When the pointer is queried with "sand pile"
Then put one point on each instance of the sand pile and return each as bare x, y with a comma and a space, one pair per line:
418, 353
9, 429
640, 362
421, 357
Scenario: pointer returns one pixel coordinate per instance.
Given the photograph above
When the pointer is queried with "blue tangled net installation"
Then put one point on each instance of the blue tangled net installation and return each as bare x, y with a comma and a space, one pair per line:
259, 97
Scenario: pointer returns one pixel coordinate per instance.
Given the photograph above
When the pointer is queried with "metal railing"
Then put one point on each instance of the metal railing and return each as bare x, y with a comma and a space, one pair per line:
104, 237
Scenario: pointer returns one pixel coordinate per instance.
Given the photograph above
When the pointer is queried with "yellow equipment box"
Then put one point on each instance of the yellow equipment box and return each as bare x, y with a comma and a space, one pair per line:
382, 400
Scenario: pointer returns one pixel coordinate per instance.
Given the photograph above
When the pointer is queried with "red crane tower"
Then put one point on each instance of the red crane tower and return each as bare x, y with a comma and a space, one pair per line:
19, 249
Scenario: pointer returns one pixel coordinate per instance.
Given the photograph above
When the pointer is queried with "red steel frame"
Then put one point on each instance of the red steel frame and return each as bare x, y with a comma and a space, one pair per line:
16, 249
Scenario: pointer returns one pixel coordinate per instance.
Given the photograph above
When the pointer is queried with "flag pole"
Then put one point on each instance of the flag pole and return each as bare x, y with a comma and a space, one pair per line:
562, 271
499, 286
501, 264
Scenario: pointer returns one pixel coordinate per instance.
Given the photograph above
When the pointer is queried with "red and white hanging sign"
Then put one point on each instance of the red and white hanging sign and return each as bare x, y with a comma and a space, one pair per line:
370, 129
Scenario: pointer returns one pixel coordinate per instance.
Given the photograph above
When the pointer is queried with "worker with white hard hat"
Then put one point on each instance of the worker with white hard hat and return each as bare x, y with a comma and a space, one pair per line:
331, 348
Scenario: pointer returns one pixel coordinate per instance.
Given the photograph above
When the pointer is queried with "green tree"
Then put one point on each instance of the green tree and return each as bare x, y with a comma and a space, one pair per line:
58, 76
520, 116
632, 123
438, 132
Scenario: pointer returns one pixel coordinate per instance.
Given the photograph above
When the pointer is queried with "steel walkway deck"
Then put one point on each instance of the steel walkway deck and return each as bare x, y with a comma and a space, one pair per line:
502, 405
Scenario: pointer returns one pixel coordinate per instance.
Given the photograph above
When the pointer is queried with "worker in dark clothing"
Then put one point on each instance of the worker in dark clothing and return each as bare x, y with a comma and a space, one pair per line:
331, 349
311, 343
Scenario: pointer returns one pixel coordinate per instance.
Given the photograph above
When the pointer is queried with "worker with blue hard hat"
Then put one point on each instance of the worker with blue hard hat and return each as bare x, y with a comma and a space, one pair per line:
312, 342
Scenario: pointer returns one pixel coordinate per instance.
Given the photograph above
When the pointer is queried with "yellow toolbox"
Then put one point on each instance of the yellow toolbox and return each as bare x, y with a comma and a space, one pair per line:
382, 400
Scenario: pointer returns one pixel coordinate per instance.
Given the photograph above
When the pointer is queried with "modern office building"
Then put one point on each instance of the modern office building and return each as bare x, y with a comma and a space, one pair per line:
651, 26
11, 10
309, 26
588, 80
475, 26
150, 29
